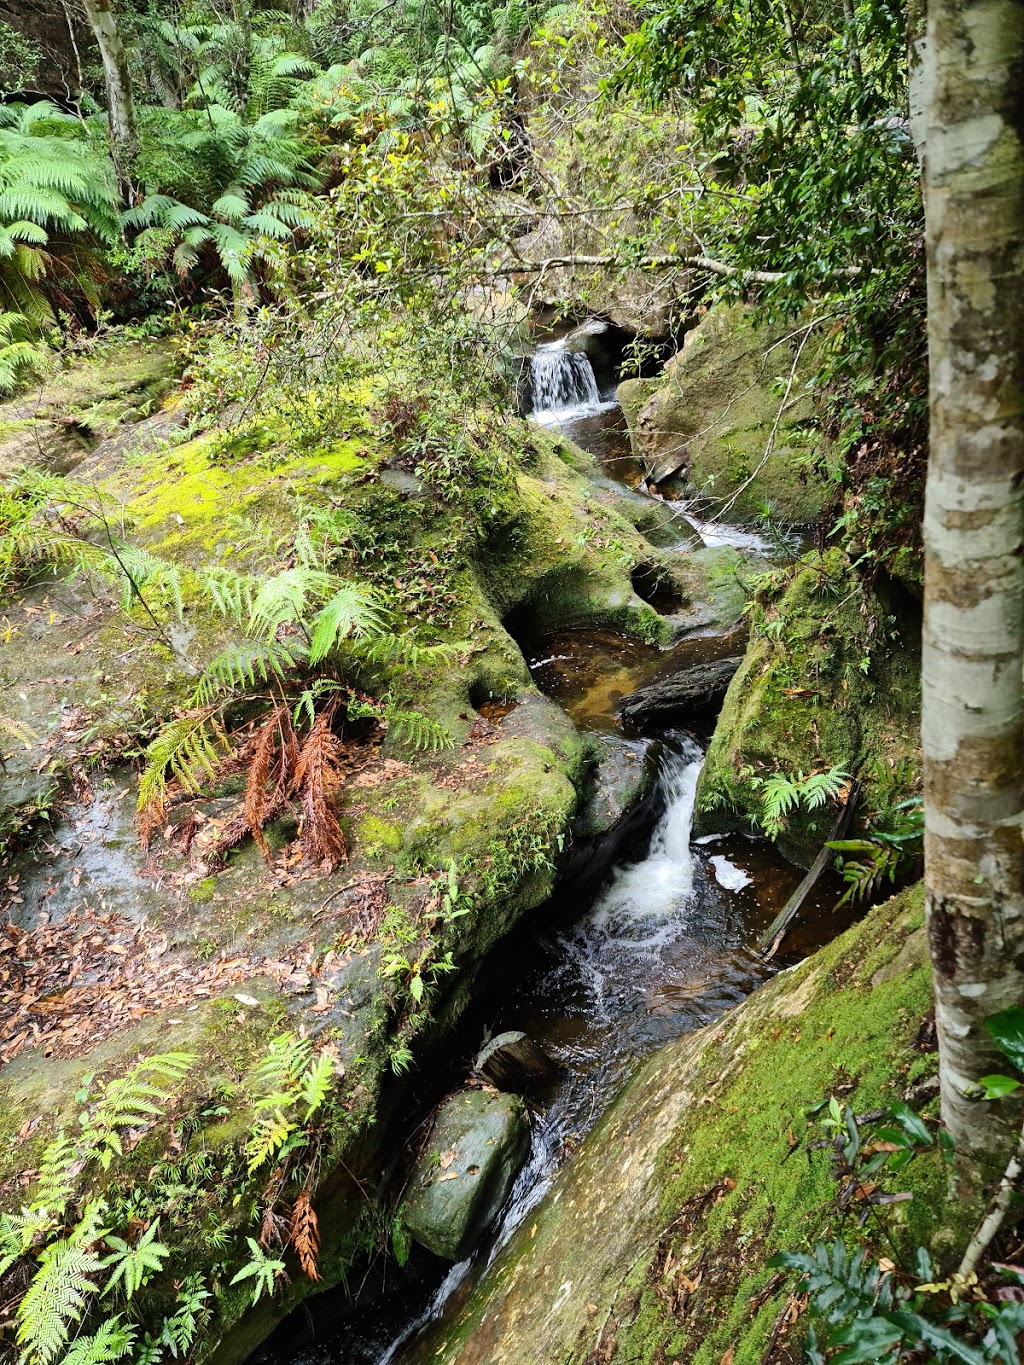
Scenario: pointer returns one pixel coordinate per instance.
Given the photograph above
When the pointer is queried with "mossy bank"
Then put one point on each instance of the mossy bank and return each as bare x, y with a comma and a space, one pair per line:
653, 1243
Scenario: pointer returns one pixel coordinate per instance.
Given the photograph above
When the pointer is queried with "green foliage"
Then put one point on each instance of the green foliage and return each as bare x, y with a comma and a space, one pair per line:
868, 1309
802, 151
894, 836
782, 795
298, 1083
58, 204
262, 1269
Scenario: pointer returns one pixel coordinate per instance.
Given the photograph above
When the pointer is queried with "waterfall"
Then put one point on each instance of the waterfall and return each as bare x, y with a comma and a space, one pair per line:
644, 902
562, 384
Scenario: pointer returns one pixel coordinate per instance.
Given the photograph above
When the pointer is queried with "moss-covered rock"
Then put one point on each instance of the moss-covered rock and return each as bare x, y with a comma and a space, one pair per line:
830, 679
732, 416
214, 950
55, 427
653, 1243
466, 1171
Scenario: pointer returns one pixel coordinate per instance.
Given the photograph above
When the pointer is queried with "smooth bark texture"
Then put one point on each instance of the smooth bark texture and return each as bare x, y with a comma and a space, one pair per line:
972, 120
120, 105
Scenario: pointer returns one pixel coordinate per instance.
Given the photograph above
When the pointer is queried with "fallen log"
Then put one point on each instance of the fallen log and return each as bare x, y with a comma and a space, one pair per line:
513, 1061
780, 925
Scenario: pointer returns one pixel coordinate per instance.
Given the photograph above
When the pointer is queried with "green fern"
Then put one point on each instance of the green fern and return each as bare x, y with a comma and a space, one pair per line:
351, 611
113, 1340
243, 667
55, 1301
315, 1084
134, 1265
189, 750
129, 1101
416, 730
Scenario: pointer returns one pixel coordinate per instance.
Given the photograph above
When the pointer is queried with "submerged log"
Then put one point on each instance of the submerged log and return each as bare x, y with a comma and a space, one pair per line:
781, 924
513, 1061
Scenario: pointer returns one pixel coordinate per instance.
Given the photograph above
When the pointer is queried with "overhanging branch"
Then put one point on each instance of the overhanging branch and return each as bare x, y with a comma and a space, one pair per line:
670, 262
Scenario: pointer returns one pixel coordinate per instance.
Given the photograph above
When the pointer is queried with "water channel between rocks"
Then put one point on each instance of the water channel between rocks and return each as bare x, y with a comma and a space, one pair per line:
664, 945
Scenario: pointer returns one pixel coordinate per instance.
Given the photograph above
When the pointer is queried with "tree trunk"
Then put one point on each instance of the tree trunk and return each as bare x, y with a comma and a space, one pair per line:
972, 121
120, 105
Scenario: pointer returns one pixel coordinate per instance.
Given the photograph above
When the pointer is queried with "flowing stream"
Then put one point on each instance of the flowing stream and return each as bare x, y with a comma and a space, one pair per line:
665, 945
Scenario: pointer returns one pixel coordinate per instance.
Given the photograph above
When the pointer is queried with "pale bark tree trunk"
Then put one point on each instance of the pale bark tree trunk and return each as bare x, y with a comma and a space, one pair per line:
120, 104
972, 121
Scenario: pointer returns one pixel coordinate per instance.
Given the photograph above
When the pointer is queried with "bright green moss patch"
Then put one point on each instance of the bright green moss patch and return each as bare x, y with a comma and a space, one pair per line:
189, 499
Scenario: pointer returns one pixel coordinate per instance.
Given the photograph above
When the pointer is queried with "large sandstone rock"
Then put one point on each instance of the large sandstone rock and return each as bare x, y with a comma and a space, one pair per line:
654, 1242
479, 1142
733, 418
693, 691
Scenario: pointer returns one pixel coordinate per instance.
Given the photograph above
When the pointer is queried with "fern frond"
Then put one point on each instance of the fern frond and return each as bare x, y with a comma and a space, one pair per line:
111, 1341
229, 592
351, 611
189, 750
55, 1301
282, 600
416, 730
315, 1083
305, 1235
243, 667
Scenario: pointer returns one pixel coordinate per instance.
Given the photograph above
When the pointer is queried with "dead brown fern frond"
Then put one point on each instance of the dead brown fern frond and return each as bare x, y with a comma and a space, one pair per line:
305, 1235
318, 778
272, 763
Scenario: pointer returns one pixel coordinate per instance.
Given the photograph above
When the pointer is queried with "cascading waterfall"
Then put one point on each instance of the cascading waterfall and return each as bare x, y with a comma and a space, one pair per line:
562, 384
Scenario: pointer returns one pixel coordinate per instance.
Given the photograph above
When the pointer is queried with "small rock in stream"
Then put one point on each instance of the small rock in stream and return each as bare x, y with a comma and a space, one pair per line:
513, 1061
462, 1179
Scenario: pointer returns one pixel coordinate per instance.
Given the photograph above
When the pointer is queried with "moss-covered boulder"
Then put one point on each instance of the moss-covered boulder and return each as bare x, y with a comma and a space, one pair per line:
208, 945
654, 1241
87, 401
733, 418
830, 679
466, 1171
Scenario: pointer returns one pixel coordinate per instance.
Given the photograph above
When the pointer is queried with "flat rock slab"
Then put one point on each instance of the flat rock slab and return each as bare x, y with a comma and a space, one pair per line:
479, 1142
693, 690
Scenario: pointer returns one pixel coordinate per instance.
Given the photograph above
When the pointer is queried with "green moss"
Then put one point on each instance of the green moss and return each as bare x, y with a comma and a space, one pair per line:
854, 1033
190, 500
830, 678
203, 892
703, 1168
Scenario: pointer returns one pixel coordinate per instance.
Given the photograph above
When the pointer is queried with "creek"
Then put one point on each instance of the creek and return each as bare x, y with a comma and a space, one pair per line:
612, 968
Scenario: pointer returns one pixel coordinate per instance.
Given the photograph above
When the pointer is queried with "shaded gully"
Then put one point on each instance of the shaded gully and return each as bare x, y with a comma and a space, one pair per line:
616, 964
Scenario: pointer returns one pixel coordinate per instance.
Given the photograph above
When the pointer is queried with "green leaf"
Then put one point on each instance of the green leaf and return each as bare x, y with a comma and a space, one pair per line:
912, 1123
866, 1341
1007, 1028
997, 1087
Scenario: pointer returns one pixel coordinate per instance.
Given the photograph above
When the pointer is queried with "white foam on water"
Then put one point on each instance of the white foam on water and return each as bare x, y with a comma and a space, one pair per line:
727, 874
645, 902
563, 385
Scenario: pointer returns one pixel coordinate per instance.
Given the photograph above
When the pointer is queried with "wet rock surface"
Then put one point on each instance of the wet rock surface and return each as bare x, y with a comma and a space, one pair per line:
692, 692
479, 1142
